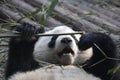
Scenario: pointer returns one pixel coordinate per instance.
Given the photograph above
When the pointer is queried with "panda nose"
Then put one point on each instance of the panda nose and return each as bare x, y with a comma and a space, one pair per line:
66, 40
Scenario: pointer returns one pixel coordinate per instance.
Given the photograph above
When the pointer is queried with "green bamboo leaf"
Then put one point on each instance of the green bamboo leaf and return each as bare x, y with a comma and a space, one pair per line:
51, 8
8, 25
31, 14
35, 12
114, 70
48, 12
42, 20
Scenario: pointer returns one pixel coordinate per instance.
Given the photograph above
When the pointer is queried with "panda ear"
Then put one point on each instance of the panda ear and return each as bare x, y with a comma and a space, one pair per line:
76, 28
51, 44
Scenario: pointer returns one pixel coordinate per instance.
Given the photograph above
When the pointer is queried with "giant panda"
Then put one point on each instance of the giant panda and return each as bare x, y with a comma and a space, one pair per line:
26, 51
95, 51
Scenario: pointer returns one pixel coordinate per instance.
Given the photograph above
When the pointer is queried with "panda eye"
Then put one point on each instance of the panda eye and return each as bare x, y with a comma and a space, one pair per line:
51, 44
73, 36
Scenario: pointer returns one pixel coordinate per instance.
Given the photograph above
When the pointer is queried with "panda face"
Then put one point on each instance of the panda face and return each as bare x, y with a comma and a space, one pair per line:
61, 49
65, 49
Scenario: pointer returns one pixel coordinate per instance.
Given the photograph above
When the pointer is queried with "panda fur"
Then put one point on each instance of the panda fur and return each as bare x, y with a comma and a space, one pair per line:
54, 73
61, 49
24, 55
21, 63
84, 49
103, 47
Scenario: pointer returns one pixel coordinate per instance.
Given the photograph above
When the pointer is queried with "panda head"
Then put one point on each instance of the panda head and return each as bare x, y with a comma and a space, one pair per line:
60, 49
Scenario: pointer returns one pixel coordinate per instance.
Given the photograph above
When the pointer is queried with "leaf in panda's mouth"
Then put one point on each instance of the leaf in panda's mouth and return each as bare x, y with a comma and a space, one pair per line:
65, 51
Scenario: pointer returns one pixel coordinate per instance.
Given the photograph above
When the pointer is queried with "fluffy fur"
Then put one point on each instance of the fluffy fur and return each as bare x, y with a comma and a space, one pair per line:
88, 54
26, 52
20, 55
57, 49
103, 47
22, 64
54, 74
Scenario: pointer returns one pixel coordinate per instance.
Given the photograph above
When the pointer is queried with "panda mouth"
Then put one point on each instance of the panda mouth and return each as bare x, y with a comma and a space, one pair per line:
66, 51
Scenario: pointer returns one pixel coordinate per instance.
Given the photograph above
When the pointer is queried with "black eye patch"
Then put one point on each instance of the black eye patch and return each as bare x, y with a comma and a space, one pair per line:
73, 36
51, 44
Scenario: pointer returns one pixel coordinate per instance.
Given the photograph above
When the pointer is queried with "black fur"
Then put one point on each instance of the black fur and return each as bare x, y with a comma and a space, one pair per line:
51, 44
107, 45
20, 57
75, 38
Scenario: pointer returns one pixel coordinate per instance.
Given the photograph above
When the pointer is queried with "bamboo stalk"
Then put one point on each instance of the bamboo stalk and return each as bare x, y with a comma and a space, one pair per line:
10, 35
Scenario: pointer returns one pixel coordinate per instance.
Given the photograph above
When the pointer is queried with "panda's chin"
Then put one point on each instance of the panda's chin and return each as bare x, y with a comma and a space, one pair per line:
66, 59
66, 56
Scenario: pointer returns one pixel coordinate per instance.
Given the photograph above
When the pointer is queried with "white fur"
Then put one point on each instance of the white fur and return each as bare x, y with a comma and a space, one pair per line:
56, 73
84, 56
43, 52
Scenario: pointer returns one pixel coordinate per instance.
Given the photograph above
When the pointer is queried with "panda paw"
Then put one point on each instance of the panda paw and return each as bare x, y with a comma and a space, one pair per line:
28, 31
86, 41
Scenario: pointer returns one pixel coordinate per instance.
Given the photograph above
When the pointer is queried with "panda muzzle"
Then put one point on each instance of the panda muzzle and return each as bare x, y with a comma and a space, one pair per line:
66, 51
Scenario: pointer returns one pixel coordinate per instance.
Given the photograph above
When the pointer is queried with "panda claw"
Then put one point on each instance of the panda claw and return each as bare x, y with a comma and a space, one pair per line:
28, 31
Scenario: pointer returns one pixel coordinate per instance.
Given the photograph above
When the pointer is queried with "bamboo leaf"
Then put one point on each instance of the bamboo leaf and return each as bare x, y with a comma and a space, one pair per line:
114, 70
31, 14
48, 12
51, 8
8, 25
